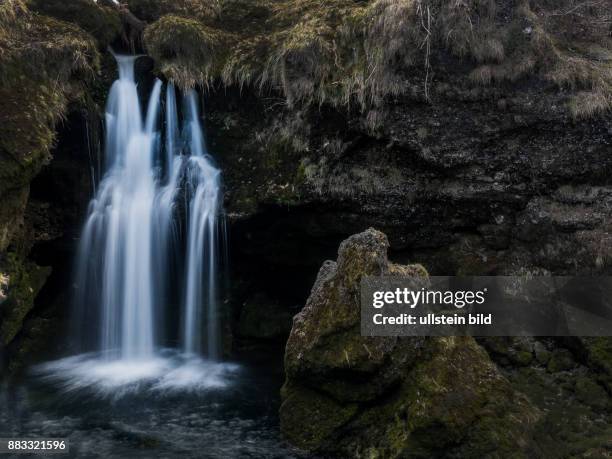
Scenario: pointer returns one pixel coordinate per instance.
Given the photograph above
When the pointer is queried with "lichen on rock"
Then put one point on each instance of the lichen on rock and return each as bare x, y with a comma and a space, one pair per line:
357, 396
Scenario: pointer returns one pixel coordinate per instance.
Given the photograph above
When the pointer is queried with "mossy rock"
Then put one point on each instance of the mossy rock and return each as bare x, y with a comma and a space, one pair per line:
591, 393
561, 360
45, 64
355, 396
25, 279
599, 358
32, 341
324, 416
11, 214
455, 403
507, 350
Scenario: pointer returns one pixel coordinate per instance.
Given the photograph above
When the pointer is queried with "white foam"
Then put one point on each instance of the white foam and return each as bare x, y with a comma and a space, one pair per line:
170, 373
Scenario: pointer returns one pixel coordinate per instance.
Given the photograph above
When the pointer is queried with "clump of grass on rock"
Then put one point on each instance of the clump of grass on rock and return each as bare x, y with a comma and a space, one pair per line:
189, 51
344, 52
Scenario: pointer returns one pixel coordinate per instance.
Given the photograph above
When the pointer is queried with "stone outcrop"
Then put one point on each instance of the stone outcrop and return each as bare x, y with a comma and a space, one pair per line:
355, 396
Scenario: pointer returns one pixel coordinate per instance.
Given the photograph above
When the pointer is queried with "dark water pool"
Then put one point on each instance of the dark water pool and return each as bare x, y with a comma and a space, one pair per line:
236, 419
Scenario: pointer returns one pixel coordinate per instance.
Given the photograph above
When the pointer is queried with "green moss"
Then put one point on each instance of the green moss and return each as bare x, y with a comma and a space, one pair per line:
34, 340
591, 393
24, 282
600, 358
453, 402
458, 388
561, 360
523, 358
11, 213
324, 416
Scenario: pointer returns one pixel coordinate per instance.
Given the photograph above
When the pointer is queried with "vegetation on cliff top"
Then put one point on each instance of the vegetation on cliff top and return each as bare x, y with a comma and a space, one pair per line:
103, 22
43, 63
346, 51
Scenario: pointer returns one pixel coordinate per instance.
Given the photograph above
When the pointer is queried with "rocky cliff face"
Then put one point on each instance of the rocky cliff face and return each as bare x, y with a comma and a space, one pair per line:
476, 134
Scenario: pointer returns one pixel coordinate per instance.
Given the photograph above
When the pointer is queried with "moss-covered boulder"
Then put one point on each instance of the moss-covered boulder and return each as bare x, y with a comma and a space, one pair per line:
357, 396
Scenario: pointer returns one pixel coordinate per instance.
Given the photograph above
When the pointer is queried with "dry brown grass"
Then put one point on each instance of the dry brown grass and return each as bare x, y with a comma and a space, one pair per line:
187, 49
587, 104
347, 52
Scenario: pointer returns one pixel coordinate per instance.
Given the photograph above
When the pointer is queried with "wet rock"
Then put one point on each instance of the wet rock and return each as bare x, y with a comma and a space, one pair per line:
22, 286
357, 396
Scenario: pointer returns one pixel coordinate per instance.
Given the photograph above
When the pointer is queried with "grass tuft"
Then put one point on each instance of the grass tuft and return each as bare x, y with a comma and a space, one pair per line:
361, 53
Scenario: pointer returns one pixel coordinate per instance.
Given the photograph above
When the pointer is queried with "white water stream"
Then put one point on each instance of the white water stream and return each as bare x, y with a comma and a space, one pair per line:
136, 227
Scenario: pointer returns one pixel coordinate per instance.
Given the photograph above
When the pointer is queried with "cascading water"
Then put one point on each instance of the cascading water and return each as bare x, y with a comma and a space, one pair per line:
135, 230
116, 250
203, 191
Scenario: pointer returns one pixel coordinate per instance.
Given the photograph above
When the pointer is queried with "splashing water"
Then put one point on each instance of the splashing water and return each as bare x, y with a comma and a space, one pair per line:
133, 233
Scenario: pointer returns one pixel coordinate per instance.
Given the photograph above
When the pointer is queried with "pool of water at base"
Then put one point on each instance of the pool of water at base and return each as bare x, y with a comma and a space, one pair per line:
236, 419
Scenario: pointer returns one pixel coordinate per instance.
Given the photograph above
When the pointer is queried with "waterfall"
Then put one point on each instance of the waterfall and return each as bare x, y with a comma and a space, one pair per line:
203, 192
124, 281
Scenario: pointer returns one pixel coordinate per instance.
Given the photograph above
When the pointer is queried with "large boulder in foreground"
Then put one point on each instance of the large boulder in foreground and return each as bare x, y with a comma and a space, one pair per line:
355, 396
